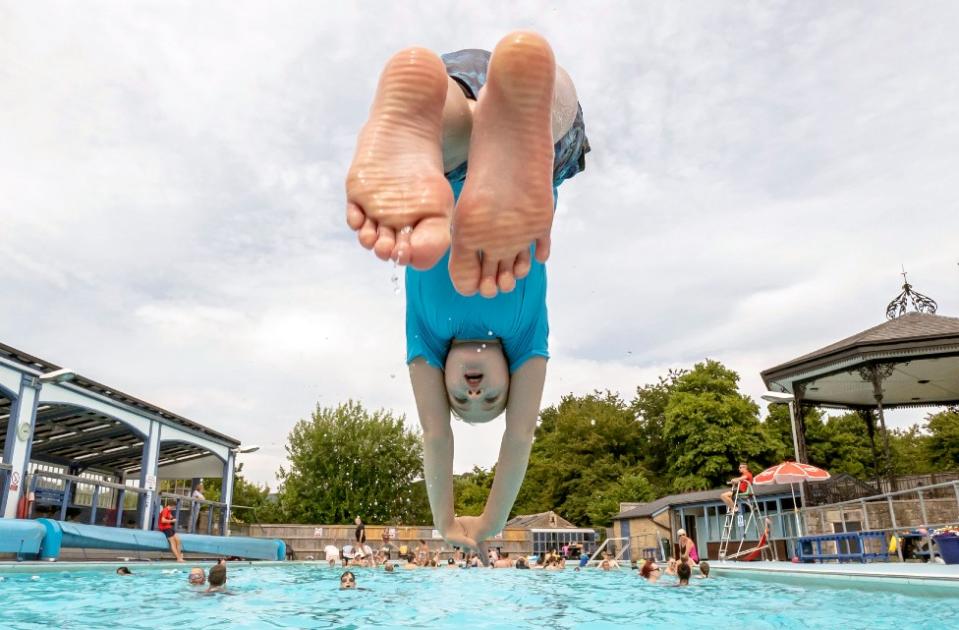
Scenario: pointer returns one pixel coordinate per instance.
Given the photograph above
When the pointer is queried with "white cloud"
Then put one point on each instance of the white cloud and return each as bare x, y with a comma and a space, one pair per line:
171, 216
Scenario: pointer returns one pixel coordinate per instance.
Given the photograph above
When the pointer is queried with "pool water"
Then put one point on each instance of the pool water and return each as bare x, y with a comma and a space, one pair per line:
308, 596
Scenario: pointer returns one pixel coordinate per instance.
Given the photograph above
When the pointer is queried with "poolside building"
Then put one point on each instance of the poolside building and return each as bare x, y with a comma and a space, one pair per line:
651, 528
549, 531
75, 449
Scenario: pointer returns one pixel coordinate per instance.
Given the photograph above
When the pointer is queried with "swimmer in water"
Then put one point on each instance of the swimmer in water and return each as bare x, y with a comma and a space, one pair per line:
513, 116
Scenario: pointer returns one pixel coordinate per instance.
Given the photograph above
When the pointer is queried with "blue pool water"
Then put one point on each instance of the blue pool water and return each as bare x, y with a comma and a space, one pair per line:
307, 596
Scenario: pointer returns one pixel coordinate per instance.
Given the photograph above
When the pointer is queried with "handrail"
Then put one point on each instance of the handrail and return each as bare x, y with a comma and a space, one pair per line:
86, 480
618, 556
883, 496
186, 498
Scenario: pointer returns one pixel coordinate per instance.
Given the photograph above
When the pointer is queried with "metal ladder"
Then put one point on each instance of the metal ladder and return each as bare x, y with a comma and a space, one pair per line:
757, 519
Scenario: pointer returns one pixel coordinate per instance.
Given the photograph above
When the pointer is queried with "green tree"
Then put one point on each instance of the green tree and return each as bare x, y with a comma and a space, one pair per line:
250, 502
649, 408
471, 491
582, 448
345, 462
710, 427
909, 449
604, 502
942, 447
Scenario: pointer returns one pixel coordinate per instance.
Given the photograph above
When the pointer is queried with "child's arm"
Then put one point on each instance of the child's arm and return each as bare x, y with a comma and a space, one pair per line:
522, 410
429, 390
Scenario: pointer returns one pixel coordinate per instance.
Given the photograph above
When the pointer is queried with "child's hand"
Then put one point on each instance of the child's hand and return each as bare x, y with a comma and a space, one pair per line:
467, 531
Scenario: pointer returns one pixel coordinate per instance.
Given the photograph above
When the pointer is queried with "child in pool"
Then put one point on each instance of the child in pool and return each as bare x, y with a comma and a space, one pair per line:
514, 118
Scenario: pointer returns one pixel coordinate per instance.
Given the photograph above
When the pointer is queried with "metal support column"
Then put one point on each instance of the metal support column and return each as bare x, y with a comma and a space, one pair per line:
227, 492
148, 475
19, 442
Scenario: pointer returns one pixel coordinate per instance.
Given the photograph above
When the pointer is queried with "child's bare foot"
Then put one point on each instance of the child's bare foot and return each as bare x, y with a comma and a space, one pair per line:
397, 198
507, 200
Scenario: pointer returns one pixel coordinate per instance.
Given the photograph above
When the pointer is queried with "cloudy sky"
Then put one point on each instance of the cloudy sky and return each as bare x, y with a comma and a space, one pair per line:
171, 193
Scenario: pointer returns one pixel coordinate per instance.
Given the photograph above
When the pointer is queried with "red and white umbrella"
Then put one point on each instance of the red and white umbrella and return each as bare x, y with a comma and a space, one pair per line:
790, 472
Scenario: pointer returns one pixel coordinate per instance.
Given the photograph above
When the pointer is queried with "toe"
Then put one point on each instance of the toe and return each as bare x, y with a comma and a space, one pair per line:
402, 251
487, 287
385, 240
367, 233
430, 240
504, 277
355, 217
465, 270
522, 264
542, 248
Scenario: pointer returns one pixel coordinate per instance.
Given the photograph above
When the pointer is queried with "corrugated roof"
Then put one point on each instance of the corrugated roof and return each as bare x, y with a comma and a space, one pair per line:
687, 498
41, 365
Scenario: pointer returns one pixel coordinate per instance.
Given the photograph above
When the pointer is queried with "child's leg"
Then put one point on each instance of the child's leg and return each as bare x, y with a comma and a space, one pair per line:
507, 200
419, 119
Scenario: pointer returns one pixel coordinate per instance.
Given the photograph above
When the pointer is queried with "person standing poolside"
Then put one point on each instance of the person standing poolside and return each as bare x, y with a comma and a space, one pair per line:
360, 533
687, 548
167, 525
196, 508
745, 480
495, 134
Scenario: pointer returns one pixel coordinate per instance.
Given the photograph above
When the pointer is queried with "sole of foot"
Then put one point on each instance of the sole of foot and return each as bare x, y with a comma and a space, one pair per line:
397, 199
507, 199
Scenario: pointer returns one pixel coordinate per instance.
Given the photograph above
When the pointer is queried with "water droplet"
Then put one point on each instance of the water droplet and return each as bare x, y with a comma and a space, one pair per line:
395, 280
489, 332
592, 422
479, 349
484, 345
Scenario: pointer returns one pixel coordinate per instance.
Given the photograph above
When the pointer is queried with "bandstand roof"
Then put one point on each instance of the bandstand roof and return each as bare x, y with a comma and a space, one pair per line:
918, 351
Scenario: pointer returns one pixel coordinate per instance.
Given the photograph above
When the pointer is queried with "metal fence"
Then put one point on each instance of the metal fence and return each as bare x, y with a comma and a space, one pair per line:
88, 499
911, 514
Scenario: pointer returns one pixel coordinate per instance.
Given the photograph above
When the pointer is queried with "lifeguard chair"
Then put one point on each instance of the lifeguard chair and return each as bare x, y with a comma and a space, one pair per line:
755, 523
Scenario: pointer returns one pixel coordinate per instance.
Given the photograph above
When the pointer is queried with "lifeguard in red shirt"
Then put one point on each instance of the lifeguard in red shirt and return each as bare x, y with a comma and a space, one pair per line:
745, 480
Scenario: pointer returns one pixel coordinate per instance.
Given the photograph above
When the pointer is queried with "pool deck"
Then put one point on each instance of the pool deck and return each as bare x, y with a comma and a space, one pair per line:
878, 573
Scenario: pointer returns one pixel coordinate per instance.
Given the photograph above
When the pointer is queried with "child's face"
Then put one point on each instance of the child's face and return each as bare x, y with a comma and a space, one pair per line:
477, 379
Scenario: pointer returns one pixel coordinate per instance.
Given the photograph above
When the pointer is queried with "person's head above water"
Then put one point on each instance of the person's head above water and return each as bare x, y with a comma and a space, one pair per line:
196, 576
477, 379
347, 580
217, 575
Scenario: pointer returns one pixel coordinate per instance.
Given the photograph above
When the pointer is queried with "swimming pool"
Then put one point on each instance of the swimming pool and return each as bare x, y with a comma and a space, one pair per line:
307, 596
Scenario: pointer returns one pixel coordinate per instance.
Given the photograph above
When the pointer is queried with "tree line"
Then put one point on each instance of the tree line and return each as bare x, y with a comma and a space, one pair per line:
688, 431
